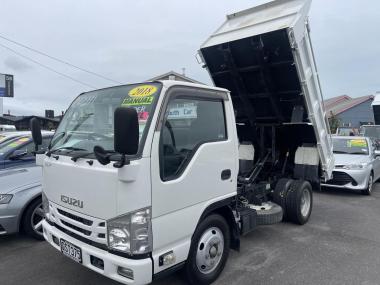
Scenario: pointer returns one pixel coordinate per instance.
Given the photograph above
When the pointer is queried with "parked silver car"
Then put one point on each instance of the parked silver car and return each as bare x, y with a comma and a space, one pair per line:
20, 201
357, 164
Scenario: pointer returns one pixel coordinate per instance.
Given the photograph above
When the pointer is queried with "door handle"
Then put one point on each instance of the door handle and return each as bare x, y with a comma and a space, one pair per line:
226, 174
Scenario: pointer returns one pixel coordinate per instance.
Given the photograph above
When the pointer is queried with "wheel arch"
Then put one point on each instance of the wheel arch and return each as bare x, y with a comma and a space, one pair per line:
23, 210
224, 209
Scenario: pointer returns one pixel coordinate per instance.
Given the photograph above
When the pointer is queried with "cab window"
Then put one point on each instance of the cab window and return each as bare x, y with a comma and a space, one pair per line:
188, 123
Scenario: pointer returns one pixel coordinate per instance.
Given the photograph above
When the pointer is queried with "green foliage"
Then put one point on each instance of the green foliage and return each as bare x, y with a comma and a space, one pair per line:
334, 123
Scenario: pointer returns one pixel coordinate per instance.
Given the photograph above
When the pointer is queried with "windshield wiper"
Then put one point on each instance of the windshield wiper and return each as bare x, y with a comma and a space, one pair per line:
338, 151
69, 148
86, 154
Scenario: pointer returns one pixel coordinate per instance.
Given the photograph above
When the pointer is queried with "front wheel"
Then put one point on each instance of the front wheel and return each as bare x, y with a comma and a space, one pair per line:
209, 250
32, 220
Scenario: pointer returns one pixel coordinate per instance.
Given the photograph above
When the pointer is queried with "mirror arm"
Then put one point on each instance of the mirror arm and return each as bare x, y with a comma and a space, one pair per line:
123, 161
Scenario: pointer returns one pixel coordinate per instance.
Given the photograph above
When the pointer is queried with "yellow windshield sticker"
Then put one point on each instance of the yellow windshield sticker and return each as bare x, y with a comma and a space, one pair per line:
143, 91
18, 142
137, 101
357, 143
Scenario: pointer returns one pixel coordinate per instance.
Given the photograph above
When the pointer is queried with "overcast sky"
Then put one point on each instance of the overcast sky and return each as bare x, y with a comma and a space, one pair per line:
136, 40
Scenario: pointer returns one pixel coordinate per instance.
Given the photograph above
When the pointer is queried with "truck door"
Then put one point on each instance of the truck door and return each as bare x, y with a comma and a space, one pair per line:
194, 160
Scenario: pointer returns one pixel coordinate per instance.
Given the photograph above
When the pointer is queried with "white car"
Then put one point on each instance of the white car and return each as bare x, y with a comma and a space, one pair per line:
357, 164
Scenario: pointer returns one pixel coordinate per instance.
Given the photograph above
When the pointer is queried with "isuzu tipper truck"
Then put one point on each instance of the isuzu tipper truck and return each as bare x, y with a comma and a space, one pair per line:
144, 179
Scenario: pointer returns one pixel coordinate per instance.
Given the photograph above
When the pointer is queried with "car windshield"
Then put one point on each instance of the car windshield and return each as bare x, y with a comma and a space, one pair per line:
13, 143
2, 138
372, 131
350, 146
89, 120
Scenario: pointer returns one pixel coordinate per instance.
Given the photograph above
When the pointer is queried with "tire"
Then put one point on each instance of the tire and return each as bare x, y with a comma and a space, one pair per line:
204, 250
32, 217
368, 190
270, 216
299, 202
280, 193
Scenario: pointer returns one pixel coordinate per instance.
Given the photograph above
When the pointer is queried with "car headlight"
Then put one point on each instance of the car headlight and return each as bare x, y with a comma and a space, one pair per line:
131, 233
355, 166
5, 198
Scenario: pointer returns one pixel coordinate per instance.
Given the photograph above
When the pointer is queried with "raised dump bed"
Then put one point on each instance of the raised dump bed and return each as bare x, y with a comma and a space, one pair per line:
264, 56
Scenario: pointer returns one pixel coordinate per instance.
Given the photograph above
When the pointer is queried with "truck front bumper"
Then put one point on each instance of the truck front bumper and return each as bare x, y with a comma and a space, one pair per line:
141, 268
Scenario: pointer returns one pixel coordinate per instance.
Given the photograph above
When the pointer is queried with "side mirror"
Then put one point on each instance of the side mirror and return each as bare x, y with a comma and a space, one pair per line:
17, 154
377, 153
126, 131
36, 132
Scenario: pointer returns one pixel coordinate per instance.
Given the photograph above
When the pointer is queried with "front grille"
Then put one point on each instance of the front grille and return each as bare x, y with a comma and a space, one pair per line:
340, 179
75, 218
78, 229
88, 227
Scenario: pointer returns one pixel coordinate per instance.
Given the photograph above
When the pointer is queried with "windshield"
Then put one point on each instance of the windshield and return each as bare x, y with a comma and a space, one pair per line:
89, 120
13, 143
2, 138
371, 131
350, 146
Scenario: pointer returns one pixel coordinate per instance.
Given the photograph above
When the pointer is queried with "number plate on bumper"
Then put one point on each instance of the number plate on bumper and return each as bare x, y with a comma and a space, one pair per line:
71, 251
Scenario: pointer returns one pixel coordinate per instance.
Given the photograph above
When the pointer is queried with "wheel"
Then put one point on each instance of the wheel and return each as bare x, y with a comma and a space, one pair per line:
269, 214
280, 192
209, 250
299, 202
32, 220
368, 191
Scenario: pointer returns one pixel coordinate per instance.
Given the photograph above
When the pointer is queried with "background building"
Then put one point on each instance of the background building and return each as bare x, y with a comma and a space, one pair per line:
22, 123
172, 75
350, 112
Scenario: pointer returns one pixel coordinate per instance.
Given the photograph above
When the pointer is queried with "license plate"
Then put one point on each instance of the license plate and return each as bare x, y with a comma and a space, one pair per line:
71, 251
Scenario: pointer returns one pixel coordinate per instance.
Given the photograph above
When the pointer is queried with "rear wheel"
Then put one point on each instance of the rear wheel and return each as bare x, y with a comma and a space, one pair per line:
280, 193
299, 202
368, 190
32, 220
209, 250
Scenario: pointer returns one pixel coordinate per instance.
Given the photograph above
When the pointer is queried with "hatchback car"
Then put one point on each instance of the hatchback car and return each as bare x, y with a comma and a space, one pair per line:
19, 150
357, 164
21, 202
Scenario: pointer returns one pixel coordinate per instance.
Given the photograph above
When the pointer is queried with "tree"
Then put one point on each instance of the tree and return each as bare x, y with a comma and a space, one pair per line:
334, 122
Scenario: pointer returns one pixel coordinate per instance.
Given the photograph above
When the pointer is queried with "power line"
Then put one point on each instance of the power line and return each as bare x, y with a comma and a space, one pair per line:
47, 67
60, 60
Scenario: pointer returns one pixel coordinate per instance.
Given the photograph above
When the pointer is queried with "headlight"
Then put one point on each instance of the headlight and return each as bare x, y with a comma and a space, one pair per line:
5, 198
131, 233
355, 166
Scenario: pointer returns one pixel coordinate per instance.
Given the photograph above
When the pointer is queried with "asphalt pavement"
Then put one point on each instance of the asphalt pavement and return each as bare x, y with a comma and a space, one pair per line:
339, 245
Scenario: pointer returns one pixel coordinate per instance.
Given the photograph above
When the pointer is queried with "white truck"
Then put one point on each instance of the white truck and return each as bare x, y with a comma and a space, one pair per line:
144, 179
